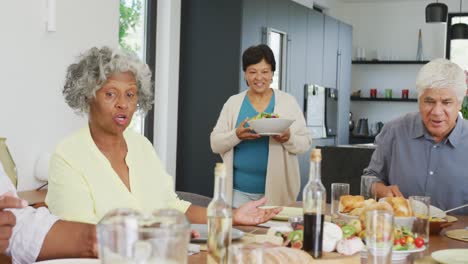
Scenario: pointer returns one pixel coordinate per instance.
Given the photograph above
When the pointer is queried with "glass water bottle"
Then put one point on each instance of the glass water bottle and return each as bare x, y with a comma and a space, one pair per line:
219, 220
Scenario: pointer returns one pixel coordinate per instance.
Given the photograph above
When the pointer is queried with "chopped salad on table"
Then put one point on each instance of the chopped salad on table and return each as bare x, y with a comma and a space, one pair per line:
265, 115
404, 239
345, 238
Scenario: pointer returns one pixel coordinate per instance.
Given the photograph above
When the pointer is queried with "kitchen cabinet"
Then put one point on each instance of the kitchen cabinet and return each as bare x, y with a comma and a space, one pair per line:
343, 80
315, 54
330, 52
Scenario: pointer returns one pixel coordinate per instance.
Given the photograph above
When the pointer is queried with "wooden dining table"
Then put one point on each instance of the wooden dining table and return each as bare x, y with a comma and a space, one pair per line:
436, 242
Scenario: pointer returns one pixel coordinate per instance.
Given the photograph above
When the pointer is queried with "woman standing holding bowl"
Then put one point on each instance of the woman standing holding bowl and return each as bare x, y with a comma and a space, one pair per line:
258, 165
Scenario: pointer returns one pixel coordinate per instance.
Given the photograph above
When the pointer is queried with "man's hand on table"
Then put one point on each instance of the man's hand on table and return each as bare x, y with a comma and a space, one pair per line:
387, 191
7, 219
250, 214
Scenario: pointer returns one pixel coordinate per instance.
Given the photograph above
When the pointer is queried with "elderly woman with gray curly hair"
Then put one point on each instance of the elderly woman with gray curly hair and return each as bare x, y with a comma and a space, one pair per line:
105, 165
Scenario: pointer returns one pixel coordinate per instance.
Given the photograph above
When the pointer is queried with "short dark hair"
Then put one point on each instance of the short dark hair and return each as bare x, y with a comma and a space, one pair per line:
255, 54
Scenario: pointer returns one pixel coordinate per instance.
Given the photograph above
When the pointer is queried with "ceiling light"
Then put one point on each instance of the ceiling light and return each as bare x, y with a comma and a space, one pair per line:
436, 13
459, 30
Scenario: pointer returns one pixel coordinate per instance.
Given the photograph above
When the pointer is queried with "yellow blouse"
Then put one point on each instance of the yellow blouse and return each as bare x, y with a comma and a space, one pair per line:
83, 186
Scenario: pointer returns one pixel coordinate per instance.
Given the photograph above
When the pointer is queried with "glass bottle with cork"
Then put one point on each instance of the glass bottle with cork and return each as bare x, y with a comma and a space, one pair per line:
219, 214
314, 206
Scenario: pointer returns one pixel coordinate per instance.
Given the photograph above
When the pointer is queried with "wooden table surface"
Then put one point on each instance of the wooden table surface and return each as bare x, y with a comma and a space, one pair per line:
436, 242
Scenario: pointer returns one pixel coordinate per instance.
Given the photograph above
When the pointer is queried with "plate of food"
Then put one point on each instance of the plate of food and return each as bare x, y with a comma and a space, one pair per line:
353, 207
404, 243
437, 224
268, 124
286, 212
397, 255
203, 230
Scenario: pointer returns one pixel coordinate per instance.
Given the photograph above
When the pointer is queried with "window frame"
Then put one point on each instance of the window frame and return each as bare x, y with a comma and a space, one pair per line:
284, 55
450, 17
150, 57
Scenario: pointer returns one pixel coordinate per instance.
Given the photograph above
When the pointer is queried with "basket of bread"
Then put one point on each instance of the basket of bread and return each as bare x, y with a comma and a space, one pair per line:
355, 207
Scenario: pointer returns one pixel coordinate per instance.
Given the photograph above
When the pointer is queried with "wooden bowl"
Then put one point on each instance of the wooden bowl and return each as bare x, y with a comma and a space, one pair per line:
436, 226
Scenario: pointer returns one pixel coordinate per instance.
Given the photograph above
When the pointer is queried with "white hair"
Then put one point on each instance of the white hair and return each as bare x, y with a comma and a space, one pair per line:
91, 71
439, 74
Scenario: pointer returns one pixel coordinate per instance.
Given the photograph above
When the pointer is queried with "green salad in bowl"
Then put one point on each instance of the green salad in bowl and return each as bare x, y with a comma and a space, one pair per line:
265, 115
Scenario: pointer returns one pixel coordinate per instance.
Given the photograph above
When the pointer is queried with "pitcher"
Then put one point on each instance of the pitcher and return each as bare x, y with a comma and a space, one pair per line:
7, 161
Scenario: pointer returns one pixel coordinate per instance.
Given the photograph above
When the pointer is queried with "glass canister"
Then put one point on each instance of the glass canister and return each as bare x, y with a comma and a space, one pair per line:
125, 236
7, 161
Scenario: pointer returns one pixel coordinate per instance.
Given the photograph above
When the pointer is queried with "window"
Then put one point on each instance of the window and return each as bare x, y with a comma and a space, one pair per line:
132, 37
457, 48
277, 41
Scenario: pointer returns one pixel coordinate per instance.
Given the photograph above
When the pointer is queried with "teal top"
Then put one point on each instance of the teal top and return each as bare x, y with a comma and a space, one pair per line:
251, 156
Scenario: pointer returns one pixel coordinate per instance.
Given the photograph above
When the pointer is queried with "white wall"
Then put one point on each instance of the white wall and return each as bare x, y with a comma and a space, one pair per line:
391, 27
34, 116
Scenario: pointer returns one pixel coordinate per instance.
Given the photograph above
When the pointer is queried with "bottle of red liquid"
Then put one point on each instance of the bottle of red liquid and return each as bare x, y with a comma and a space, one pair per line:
314, 205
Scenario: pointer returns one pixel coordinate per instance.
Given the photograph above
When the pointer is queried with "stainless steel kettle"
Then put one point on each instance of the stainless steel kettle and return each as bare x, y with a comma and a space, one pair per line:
363, 127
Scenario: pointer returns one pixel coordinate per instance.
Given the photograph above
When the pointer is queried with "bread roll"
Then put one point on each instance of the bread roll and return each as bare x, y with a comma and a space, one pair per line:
350, 202
285, 255
400, 206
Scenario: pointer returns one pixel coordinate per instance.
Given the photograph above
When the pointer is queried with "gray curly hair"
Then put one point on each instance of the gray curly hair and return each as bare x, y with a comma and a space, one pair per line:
441, 73
93, 68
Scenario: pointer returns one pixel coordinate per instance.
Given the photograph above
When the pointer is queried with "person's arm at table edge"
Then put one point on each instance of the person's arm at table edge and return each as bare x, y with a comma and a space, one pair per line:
69, 239
247, 214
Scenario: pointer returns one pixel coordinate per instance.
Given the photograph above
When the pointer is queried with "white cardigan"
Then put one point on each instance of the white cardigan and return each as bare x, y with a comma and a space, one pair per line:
283, 176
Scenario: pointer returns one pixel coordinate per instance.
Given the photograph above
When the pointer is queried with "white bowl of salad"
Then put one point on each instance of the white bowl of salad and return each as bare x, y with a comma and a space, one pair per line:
269, 124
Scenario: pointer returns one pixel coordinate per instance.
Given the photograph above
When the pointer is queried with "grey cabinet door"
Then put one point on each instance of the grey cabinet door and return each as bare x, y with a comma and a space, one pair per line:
315, 26
297, 59
254, 19
330, 52
344, 81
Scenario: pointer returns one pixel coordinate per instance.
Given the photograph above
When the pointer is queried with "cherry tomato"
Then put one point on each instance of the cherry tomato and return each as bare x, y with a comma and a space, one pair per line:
396, 242
418, 242
409, 240
402, 241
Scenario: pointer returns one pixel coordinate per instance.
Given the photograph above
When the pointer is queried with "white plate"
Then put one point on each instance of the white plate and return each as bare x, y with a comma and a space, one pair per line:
419, 207
397, 254
203, 230
70, 261
451, 256
270, 126
286, 212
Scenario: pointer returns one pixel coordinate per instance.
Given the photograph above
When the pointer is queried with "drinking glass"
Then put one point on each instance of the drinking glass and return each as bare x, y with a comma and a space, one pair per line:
379, 236
388, 93
245, 253
337, 190
421, 209
125, 236
367, 186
